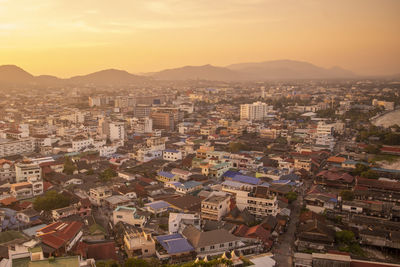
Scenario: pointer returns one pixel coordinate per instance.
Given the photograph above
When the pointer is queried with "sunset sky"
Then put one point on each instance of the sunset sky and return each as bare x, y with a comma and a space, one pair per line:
65, 38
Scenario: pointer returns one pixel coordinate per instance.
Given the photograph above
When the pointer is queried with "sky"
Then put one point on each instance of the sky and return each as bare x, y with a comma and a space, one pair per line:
72, 37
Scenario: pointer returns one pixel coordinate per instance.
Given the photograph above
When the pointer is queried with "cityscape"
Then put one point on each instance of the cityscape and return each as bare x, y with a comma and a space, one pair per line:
226, 160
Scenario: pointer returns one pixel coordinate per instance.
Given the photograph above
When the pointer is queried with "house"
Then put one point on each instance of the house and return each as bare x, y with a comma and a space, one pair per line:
211, 242
255, 232
186, 187
315, 235
215, 207
182, 174
174, 248
334, 179
167, 177
319, 202
185, 203
139, 244
64, 212
172, 155
178, 221
157, 207
129, 216
28, 216
60, 237
99, 194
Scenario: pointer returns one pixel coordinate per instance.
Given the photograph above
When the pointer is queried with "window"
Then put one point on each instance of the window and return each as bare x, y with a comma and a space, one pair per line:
221, 246
146, 250
202, 249
230, 244
119, 216
212, 247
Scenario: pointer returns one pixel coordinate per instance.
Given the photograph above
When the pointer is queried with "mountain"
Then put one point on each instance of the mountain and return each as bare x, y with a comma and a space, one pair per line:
206, 72
11, 74
108, 77
288, 69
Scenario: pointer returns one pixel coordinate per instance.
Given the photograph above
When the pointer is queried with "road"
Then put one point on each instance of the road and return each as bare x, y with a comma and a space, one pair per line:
283, 250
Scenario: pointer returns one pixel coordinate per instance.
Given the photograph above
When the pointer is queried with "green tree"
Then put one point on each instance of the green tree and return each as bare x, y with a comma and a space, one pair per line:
69, 166
51, 200
237, 146
107, 175
372, 149
291, 196
370, 174
344, 237
392, 139
360, 168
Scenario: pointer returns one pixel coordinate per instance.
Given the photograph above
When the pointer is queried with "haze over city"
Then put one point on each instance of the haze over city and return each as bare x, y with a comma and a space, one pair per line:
200, 133
64, 38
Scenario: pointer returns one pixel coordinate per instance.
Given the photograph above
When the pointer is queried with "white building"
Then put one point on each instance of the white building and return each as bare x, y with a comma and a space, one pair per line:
178, 221
215, 206
142, 125
128, 215
117, 131
27, 170
10, 147
172, 155
255, 111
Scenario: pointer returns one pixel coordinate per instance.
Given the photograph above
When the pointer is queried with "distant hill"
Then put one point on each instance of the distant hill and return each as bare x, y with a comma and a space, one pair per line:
11, 74
288, 69
269, 70
206, 72
108, 77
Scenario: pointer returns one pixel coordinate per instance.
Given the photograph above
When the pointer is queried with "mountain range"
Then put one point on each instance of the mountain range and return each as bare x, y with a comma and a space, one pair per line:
259, 71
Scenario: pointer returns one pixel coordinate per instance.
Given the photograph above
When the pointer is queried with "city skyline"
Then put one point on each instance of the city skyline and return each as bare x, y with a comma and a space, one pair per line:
61, 39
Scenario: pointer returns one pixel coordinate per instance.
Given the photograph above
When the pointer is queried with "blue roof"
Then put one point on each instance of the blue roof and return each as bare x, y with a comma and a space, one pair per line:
166, 174
385, 170
158, 205
246, 179
290, 176
190, 184
174, 243
238, 177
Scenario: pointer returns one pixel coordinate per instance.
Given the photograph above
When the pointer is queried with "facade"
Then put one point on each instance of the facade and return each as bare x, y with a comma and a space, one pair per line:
163, 120
178, 221
172, 155
99, 194
255, 111
117, 131
128, 215
10, 147
215, 207
27, 170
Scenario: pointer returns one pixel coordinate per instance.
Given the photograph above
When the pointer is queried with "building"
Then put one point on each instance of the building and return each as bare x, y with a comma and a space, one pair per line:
25, 171
172, 155
128, 215
178, 221
255, 111
117, 131
163, 120
7, 171
211, 242
139, 244
142, 125
60, 237
99, 194
215, 207
387, 105
10, 147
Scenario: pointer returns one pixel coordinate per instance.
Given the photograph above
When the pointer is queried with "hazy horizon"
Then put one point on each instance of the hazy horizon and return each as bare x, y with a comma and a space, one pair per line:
57, 38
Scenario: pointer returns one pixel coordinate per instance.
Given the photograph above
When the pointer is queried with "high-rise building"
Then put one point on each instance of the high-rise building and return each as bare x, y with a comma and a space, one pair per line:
255, 111
163, 120
117, 131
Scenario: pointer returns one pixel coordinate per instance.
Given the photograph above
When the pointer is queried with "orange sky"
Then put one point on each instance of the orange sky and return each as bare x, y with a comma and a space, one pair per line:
65, 38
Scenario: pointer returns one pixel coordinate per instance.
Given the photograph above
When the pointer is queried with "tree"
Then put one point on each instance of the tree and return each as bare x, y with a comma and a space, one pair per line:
370, 174
392, 139
237, 146
345, 237
51, 200
347, 195
69, 166
107, 174
360, 168
291, 196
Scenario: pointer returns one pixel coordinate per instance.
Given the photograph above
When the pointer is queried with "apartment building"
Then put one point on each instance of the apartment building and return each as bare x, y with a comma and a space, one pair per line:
215, 207
25, 171
99, 194
255, 111
10, 147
